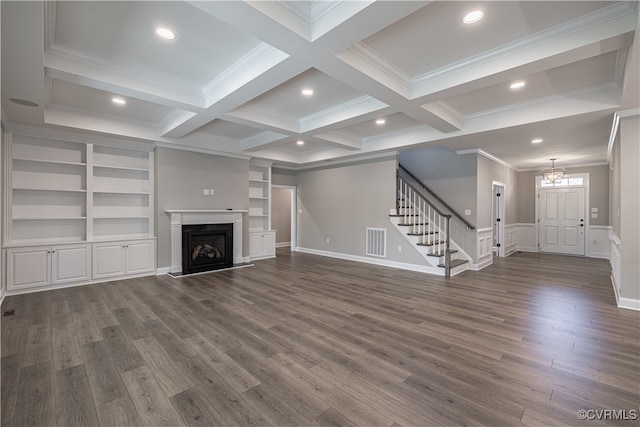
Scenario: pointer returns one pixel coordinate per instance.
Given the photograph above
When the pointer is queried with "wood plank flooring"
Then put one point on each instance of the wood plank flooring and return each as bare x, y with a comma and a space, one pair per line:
304, 340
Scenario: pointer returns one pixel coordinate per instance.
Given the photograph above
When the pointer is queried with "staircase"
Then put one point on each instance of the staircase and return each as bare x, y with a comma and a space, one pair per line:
426, 227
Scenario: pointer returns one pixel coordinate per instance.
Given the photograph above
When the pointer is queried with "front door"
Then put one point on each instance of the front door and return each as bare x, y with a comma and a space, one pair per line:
561, 220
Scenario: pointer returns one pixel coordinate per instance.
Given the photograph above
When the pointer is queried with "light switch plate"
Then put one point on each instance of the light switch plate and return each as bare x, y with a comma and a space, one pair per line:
467, 212
205, 192
594, 215
594, 210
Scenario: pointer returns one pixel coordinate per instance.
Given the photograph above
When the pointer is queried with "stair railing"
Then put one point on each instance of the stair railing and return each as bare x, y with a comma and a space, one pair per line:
428, 222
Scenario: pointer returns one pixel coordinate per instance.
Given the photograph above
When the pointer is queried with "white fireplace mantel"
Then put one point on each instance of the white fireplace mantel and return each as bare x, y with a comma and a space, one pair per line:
203, 216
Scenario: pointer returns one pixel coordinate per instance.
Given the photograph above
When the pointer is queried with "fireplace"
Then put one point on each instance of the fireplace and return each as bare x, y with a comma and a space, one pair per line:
206, 247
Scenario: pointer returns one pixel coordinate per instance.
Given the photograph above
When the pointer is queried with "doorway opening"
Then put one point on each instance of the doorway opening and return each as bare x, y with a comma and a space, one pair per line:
283, 215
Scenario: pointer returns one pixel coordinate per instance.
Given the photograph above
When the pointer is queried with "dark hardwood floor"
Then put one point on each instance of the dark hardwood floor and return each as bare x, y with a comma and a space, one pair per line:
305, 340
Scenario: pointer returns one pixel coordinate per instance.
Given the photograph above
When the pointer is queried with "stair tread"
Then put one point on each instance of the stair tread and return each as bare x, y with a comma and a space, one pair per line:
454, 263
422, 234
430, 243
404, 224
401, 215
451, 251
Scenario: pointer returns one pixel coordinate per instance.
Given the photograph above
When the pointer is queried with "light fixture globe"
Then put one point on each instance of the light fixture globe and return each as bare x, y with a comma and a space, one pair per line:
553, 175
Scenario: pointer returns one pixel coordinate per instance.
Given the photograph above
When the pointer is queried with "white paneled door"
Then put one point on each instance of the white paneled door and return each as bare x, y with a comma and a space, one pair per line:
562, 220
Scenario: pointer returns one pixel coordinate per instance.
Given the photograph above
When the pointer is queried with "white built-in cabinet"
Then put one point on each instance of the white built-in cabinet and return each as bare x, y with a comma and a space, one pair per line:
262, 244
116, 259
262, 240
65, 198
40, 266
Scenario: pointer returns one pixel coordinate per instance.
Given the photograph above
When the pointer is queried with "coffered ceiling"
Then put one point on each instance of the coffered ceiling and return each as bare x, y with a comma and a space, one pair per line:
231, 80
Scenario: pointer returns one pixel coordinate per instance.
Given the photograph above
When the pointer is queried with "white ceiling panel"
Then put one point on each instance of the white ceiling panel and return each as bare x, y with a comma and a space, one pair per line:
121, 34
435, 35
85, 99
588, 73
287, 101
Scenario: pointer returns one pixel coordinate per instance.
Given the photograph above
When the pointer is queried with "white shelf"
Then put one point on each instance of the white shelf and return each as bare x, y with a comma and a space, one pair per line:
123, 168
49, 162
142, 193
263, 181
63, 190
49, 218
122, 217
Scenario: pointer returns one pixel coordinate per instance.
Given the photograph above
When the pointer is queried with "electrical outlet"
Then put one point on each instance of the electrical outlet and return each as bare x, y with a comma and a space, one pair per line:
205, 192
467, 212
211, 191
328, 240
399, 248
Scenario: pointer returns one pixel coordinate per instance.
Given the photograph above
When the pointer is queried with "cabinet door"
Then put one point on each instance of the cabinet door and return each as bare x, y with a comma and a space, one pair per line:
255, 245
70, 264
28, 268
108, 260
269, 244
140, 257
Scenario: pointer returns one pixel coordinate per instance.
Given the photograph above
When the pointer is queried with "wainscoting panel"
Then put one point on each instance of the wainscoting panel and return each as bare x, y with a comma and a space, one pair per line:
614, 244
511, 239
526, 237
485, 248
599, 245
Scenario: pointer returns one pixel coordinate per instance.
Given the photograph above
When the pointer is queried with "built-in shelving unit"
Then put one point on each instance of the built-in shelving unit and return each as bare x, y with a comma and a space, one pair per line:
61, 197
261, 237
122, 199
48, 191
259, 196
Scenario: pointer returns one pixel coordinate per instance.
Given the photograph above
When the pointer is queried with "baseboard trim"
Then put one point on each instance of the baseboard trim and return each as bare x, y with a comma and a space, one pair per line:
1, 300
526, 249
283, 244
598, 255
479, 266
163, 270
380, 262
629, 303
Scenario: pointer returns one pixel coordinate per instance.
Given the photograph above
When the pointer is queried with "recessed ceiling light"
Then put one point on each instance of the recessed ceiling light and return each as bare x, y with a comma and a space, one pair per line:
165, 33
536, 140
300, 142
473, 17
517, 85
119, 101
23, 102
381, 121
307, 92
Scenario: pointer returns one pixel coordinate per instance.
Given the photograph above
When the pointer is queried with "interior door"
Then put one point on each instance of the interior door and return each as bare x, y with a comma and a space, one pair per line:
561, 220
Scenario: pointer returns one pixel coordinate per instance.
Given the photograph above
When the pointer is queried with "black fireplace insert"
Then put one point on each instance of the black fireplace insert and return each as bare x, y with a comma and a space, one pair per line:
206, 247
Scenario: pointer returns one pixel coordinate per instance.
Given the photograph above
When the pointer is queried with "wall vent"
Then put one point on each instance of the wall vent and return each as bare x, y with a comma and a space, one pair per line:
376, 244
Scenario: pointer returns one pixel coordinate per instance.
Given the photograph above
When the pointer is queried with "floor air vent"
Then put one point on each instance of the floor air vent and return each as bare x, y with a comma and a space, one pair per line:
376, 242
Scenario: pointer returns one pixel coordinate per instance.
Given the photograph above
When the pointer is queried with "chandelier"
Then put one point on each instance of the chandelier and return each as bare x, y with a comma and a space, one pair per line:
553, 175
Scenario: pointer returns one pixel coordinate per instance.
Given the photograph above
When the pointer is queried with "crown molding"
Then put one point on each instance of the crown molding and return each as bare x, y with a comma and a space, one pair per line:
349, 109
567, 167
487, 155
254, 63
174, 146
371, 57
615, 125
